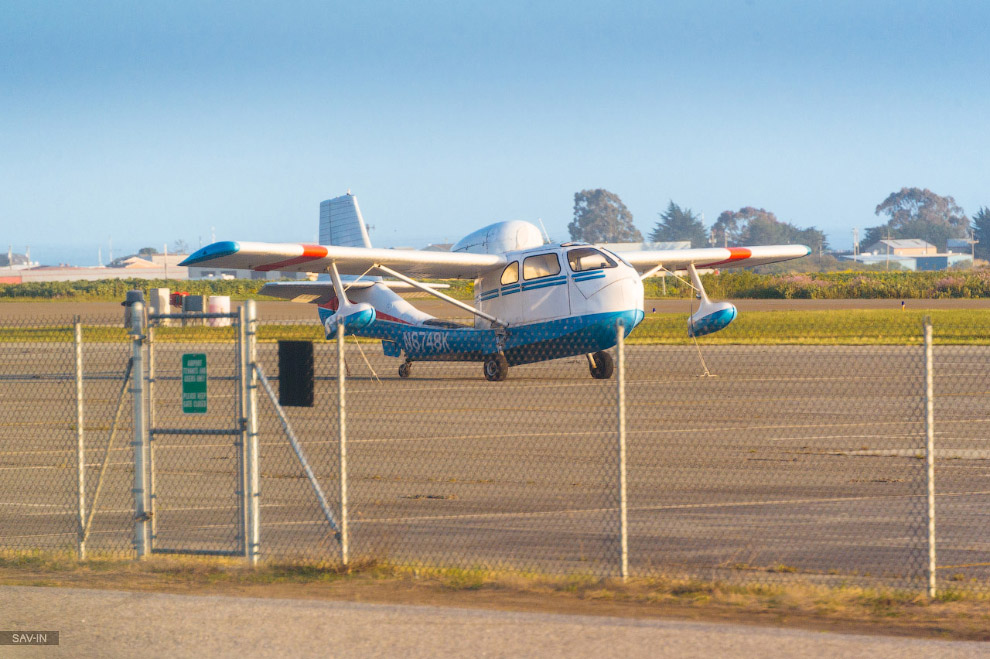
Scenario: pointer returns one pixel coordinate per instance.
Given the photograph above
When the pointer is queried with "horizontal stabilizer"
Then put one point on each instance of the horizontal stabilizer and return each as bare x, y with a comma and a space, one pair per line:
321, 292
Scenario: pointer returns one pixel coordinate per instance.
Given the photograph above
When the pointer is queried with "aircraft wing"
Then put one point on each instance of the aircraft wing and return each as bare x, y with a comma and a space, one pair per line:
714, 257
299, 257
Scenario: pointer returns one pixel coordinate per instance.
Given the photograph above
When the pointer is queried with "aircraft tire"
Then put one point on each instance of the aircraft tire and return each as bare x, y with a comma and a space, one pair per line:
405, 368
496, 368
604, 366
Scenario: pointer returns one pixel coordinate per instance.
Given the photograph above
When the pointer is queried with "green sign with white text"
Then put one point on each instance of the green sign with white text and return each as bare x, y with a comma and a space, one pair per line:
194, 383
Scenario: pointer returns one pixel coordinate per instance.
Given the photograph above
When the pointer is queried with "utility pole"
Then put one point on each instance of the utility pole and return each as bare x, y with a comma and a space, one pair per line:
887, 267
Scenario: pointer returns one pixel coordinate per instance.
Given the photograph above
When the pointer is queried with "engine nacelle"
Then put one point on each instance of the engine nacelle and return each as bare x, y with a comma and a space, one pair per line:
711, 317
500, 237
356, 318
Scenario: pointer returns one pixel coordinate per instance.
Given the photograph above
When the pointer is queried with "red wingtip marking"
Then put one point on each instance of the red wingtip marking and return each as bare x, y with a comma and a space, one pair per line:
735, 254
310, 253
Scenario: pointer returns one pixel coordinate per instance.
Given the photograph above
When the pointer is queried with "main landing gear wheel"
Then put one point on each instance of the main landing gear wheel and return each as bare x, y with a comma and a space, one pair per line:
603, 365
496, 368
405, 369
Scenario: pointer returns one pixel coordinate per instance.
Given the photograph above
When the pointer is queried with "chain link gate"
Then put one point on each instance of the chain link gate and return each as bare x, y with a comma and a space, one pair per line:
195, 434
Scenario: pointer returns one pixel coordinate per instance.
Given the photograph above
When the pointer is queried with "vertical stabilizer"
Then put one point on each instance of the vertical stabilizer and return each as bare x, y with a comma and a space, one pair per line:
341, 223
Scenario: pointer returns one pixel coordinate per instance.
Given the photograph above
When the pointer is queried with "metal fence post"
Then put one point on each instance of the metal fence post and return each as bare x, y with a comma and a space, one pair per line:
80, 439
342, 441
242, 441
253, 471
930, 453
620, 350
140, 433
150, 342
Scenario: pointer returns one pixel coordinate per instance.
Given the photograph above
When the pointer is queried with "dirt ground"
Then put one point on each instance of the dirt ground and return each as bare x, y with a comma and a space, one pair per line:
269, 310
945, 620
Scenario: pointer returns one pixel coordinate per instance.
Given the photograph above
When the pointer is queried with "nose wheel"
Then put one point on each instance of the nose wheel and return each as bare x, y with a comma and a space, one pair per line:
496, 368
601, 365
405, 369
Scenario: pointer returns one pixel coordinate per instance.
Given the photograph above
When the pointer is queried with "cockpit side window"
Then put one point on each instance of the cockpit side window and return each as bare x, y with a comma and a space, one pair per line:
511, 273
588, 258
540, 265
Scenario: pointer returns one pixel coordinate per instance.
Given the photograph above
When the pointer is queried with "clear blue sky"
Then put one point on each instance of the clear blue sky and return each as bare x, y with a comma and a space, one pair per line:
152, 122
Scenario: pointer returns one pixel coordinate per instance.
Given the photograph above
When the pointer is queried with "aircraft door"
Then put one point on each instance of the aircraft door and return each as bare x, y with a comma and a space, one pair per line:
543, 294
489, 297
499, 295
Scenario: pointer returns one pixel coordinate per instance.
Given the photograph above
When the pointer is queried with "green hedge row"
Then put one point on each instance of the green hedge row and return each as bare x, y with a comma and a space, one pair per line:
116, 289
833, 285
738, 284
108, 290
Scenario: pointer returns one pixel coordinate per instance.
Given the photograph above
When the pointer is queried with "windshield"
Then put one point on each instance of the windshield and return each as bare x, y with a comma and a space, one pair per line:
588, 258
610, 253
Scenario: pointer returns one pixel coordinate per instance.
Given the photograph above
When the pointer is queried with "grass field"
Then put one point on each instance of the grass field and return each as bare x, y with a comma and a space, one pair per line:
818, 327
825, 327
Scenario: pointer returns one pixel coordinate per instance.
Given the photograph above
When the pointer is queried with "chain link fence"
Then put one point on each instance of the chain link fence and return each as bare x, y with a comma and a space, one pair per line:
54, 383
796, 456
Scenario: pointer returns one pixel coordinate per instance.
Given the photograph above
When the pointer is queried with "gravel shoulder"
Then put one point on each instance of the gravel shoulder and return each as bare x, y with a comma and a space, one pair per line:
114, 623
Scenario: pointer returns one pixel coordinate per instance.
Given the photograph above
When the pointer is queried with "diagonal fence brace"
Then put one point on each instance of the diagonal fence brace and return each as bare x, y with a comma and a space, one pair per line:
324, 506
106, 453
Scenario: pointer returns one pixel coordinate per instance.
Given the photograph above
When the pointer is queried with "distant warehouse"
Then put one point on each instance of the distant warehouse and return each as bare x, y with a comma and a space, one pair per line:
908, 254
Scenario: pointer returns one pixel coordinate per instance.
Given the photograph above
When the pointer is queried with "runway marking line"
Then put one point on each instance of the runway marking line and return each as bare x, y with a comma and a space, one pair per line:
686, 506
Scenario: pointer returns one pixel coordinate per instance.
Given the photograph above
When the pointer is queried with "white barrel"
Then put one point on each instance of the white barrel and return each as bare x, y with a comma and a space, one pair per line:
158, 302
218, 304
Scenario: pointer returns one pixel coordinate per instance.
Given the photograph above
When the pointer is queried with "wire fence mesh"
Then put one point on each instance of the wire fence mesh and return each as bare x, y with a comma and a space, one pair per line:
39, 467
962, 423
798, 458
194, 467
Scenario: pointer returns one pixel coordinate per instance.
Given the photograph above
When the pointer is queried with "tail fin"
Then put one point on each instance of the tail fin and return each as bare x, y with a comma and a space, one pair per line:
341, 223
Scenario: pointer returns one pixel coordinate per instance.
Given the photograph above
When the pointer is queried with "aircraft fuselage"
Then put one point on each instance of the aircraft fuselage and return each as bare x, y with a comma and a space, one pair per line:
553, 301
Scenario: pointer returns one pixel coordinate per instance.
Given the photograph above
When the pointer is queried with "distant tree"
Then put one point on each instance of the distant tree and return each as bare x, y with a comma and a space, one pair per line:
917, 213
600, 216
981, 232
725, 231
147, 251
181, 247
758, 226
678, 223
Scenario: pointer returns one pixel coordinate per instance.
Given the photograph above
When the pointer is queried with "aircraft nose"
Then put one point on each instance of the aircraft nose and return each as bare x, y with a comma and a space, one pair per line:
630, 293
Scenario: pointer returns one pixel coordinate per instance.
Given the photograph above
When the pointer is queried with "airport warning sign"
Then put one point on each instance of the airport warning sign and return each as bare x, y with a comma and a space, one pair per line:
194, 383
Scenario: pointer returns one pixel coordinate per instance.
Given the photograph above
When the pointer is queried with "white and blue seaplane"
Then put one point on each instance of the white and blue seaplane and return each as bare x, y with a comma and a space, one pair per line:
534, 300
